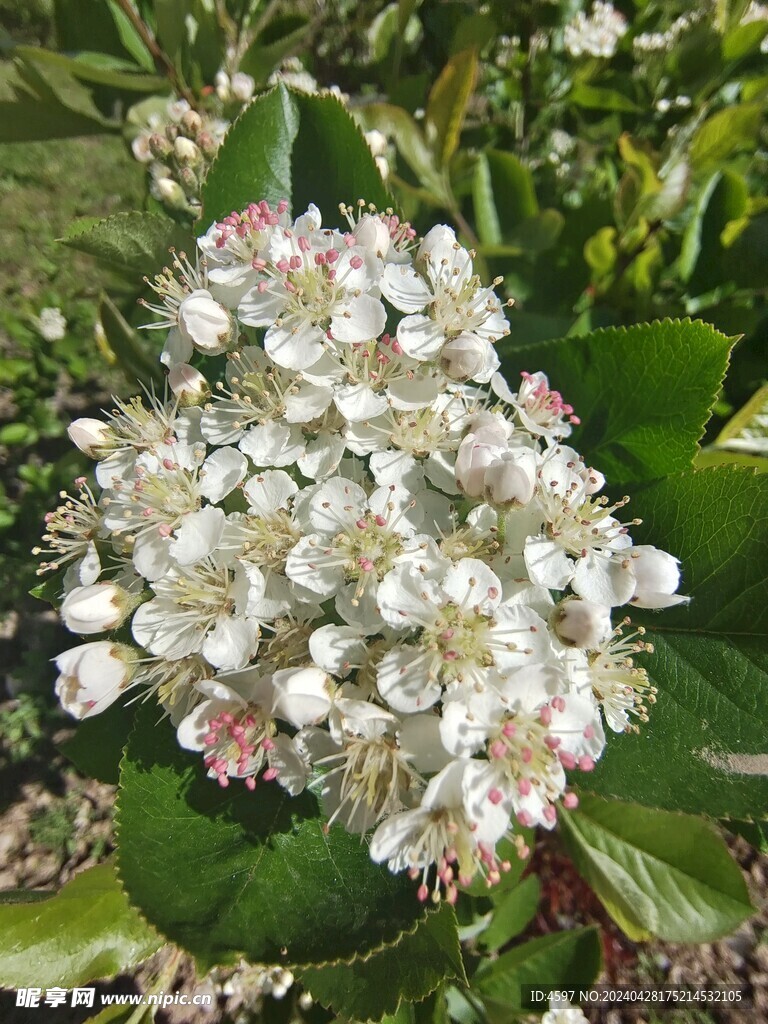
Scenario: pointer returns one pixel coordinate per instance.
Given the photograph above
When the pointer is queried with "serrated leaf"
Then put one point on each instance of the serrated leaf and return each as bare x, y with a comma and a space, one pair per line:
97, 745
288, 145
447, 103
643, 393
567, 959
254, 162
407, 971
656, 873
704, 748
135, 243
725, 133
231, 873
86, 931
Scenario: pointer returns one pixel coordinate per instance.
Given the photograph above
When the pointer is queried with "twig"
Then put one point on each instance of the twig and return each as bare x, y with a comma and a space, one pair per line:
161, 58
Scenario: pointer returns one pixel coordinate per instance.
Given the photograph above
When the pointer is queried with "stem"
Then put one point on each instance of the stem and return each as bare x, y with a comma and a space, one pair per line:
501, 529
161, 58
161, 982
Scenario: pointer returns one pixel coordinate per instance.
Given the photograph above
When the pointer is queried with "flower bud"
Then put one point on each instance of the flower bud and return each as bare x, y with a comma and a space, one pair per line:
657, 577
206, 323
186, 152
579, 623
188, 385
511, 479
191, 123
141, 149
93, 676
221, 84
91, 436
97, 608
171, 193
464, 357
159, 146
242, 86
472, 461
209, 147
172, 132
189, 181
372, 233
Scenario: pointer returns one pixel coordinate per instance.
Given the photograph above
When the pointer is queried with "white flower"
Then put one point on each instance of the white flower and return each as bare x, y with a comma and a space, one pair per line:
313, 284
93, 676
205, 324
539, 409
454, 301
52, 324
203, 608
465, 636
242, 86
597, 34
581, 544
443, 831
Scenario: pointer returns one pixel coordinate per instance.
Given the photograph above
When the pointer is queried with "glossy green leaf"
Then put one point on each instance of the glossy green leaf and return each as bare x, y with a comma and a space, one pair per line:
255, 161
511, 914
288, 145
407, 971
331, 162
724, 133
657, 873
134, 243
643, 393
230, 873
447, 102
704, 749
86, 931
563, 959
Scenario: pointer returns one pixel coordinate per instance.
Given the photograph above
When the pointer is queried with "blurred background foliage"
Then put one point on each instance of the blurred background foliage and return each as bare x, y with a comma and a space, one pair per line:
609, 165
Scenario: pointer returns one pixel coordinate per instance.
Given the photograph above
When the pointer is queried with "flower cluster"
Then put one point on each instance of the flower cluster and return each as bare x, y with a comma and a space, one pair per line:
597, 34
357, 559
178, 145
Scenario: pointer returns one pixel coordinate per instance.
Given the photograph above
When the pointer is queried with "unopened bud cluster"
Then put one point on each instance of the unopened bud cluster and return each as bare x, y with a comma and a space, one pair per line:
363, 552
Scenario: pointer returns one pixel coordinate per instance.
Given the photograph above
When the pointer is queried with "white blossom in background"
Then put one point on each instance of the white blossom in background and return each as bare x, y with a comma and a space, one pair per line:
356, 551
52, 324
596, 34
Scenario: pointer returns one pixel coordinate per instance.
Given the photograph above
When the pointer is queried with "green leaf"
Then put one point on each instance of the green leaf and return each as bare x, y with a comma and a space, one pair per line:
595, 97
511, 914
447, 103
704, 748
87, 71
230, 873
567, 959
411, 144
503, 193
755, 833
331, 162
409, 970
86, 931
657, 873
725, 133
29, 120
288, 145
255, 160
134, 356
135, 243
97, 745
744, 39
643, 393
260, 59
